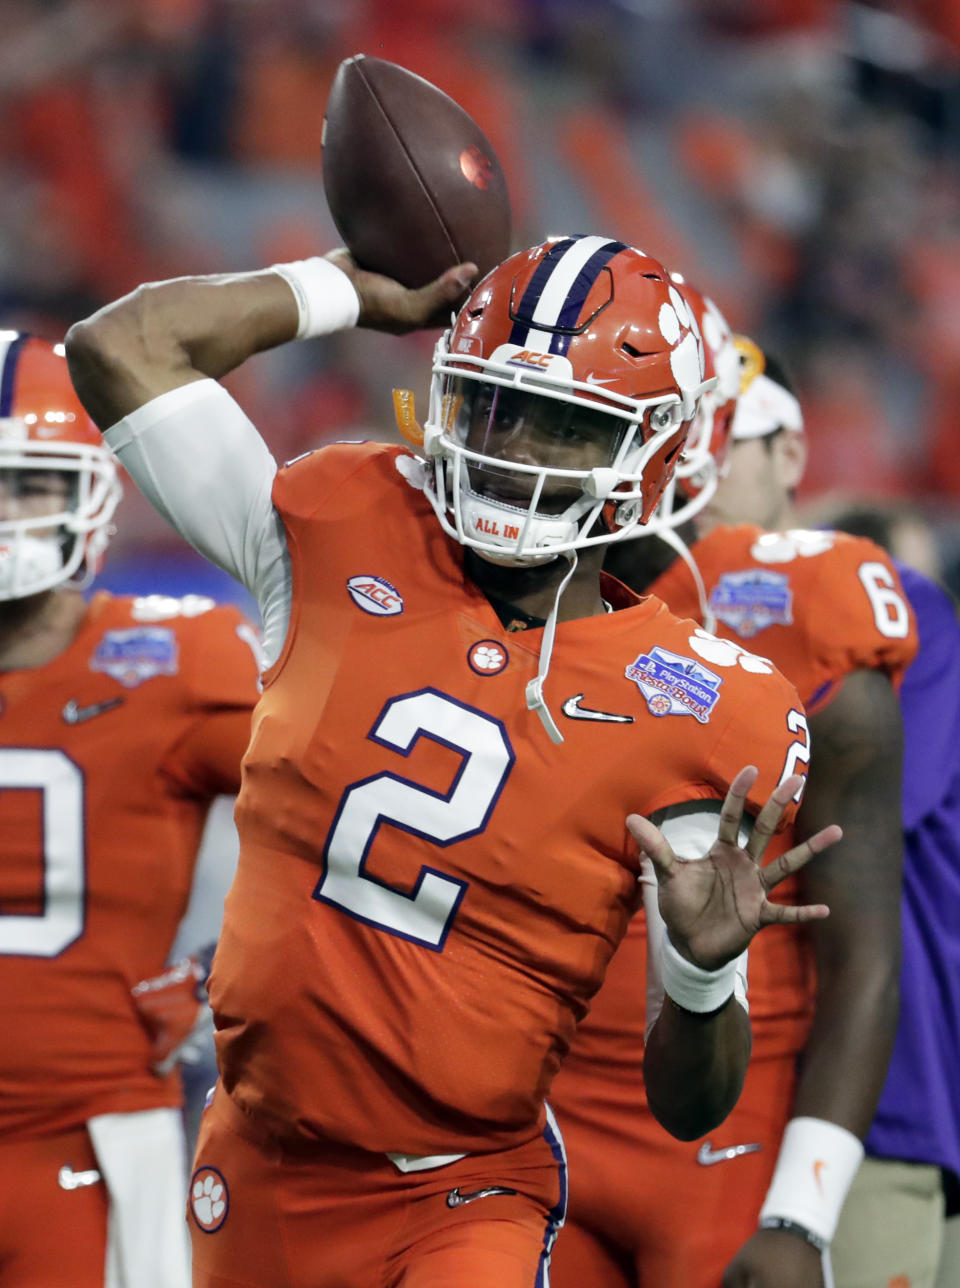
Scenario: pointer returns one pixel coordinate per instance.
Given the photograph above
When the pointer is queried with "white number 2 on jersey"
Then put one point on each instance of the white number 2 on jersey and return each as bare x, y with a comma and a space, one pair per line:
426, 914
53, 773
889, 611
798, 753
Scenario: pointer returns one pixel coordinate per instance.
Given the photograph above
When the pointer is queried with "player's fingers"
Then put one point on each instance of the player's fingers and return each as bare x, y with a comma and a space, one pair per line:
787, 914
652, 843
786, 864
770, 816
731, 812
440, 295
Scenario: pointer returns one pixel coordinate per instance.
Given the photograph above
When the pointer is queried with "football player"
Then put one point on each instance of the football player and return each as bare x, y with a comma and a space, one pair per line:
120, 720
828, 609
459, 712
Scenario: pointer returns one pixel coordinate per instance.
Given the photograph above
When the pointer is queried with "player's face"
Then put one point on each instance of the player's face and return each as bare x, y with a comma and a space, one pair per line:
517, 427
756, 488
32, 494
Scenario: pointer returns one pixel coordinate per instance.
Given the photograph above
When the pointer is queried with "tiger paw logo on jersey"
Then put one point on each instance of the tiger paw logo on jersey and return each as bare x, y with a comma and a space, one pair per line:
375, 595
674, 685
795, 543
138, 654
487, 657
209, 1199
748, 602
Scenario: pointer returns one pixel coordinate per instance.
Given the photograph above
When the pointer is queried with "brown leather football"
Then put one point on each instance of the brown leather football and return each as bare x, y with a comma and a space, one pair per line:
412, 183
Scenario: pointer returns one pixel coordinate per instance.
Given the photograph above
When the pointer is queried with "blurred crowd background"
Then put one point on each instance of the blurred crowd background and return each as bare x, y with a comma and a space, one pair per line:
799, 159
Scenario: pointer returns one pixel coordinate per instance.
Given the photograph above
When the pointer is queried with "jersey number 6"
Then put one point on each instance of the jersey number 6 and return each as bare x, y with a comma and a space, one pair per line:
890, 613
426, 914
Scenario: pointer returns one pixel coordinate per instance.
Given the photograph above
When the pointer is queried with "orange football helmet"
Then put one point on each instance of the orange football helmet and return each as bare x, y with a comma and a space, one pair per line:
561, 399
44, 429
703, 461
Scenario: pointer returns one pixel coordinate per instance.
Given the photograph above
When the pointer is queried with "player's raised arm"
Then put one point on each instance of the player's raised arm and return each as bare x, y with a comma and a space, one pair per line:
146, 367
167, 334
697, 1051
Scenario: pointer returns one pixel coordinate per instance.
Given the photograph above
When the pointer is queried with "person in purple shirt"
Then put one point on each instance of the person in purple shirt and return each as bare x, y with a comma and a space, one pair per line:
913, 1147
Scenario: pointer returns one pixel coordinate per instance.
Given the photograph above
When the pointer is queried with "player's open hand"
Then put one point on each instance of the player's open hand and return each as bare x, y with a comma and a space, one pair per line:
385, 305
714, 906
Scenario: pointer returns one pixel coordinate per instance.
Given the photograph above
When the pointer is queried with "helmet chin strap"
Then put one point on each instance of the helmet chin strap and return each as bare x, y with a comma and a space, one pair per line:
535, 699
28, 565
677, 543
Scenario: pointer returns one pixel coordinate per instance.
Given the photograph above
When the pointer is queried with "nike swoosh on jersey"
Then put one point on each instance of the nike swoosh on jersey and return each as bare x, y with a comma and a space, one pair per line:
68, 1179
575, 711
74, 714
706, 1156
457, 1199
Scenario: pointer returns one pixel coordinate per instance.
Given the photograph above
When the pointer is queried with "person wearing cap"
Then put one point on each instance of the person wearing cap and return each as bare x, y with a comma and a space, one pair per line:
756, 1201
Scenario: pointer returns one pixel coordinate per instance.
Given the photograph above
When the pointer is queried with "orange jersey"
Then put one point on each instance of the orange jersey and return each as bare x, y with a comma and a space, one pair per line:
818, 605
109, 758
429, 890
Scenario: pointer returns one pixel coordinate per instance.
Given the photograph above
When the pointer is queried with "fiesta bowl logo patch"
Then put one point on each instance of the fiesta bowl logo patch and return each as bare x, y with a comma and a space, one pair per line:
675, 685
375, 595
136, 655
751, 601
487, 657
209, 1199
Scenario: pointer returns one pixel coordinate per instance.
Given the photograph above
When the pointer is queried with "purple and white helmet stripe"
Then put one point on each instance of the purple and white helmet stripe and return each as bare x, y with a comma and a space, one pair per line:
10, 346
558, 291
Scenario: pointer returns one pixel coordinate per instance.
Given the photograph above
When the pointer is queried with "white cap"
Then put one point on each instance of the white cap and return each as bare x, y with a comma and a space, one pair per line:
763, 408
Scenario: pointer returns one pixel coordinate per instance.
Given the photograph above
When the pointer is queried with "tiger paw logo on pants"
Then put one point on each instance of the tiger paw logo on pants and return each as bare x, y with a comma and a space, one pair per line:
209, 1199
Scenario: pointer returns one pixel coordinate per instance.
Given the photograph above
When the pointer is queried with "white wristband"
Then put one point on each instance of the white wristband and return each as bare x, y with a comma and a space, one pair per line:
326, 298
816, 1166
692, 987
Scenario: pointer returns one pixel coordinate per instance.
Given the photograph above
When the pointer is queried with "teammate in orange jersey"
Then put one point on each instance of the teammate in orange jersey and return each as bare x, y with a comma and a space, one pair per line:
120, 720
433, 874
828, 610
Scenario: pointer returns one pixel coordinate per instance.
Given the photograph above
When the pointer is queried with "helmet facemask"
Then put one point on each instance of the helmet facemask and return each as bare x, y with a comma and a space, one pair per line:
39, 551
705, 458
527, 467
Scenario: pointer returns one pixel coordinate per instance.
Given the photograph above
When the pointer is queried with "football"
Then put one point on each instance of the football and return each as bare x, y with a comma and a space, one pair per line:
412, 183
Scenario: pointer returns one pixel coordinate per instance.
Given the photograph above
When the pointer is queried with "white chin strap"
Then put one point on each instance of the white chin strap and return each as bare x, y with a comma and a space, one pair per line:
535, 699
499, 523
29, 565
677, 543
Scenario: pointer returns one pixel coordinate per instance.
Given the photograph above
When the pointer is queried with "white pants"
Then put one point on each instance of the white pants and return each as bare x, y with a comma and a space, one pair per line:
142, 1158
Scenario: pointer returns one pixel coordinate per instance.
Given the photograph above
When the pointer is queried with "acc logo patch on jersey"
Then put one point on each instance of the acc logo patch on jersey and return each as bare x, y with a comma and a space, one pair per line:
674, 685
138, 654
209, 1199
748, 602
375, 595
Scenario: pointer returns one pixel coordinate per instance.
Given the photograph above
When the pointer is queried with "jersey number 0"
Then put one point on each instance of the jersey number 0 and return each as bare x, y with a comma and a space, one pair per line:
60, 782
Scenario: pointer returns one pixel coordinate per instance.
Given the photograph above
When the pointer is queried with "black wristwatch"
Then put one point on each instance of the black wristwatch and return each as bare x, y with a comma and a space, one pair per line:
794, 1227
